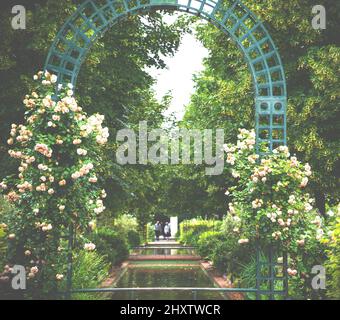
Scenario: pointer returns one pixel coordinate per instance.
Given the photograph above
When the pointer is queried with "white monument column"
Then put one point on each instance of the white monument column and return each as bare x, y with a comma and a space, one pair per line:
174, 226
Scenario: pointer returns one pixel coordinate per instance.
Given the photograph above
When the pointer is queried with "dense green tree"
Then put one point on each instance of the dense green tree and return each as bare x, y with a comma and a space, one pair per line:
189, 193
224, 93
112, 81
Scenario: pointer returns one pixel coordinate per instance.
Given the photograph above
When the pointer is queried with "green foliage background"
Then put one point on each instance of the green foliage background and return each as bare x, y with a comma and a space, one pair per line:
113, 82
311, 59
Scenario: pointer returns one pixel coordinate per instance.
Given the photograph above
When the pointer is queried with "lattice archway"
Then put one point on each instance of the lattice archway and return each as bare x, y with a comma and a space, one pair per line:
94, 17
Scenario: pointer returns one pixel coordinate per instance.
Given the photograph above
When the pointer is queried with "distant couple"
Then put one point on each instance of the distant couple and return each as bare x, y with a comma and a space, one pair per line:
159, 229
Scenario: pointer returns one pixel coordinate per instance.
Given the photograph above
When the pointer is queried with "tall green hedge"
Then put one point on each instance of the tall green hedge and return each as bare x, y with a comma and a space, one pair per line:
111, 244
190, 230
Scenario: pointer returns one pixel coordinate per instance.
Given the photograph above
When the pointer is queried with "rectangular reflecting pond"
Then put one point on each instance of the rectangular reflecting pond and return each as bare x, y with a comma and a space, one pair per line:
163, 251
165, 276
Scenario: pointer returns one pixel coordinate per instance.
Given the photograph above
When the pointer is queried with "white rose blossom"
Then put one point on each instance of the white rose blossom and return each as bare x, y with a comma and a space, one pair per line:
89, 246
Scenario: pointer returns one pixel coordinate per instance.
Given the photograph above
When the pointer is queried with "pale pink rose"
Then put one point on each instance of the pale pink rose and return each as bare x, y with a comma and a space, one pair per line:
304, 182
301, 242
76, 141
281, 222
92, 224
34, 270
43, 149
89, 246
75, 175
54, 78
93, 179
59, 277
292, 272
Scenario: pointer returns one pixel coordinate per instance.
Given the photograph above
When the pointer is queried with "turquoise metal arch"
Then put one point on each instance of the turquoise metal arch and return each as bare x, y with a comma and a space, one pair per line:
94, 17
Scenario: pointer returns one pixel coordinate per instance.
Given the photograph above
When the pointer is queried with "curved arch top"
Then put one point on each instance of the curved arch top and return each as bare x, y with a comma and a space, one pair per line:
94, 17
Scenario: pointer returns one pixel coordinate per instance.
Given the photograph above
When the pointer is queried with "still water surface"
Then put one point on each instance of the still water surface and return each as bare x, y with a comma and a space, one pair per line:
167, 276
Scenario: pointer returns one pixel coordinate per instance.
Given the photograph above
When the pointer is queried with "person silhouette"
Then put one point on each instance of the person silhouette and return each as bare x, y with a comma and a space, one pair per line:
158, 229
167, 231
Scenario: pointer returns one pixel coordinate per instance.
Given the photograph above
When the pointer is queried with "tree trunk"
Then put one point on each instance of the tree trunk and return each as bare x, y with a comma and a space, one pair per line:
320, 202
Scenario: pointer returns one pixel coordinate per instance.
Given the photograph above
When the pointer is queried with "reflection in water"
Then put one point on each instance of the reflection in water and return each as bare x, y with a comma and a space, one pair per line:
163, 251
165, 277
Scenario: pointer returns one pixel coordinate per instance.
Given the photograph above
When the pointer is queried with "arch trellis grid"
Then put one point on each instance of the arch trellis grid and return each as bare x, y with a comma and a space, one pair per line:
94, 17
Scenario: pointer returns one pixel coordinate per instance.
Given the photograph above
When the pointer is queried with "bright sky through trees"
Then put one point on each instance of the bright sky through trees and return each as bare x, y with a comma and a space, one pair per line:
178, 76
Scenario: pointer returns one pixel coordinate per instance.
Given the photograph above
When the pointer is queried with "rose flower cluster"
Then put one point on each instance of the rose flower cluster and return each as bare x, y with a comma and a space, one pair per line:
58, 149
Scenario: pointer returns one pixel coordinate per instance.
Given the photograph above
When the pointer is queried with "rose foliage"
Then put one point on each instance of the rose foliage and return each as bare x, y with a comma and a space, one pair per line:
270, 205
58, 149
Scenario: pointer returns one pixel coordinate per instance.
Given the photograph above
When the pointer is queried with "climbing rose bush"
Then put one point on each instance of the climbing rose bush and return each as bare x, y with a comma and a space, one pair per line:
269, 202
58, 149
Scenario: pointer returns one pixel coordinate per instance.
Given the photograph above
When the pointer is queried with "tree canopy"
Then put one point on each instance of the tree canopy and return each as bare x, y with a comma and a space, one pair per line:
224, 93
113, 81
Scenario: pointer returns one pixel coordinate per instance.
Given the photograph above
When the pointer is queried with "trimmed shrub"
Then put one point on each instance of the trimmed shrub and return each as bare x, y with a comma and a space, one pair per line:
190, 230
207, 243
150, 232
111, 244
228, 256
125, 223
133, 238
221, 247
